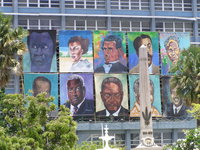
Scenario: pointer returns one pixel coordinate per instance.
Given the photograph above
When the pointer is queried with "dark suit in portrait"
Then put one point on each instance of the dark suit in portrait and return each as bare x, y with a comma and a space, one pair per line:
182, 113
123, 112
114, 68
87, 107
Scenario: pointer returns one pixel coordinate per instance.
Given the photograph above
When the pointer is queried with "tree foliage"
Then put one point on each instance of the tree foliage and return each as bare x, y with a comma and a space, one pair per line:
191, 141
27, 124
187, 75
11, 45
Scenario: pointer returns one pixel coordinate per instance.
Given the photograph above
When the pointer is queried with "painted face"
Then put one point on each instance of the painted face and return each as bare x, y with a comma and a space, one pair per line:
41, 51
173, 51
112, 97
76, 92
151, 98
175, 99
111, 53
147, 43
41, 86
75, 51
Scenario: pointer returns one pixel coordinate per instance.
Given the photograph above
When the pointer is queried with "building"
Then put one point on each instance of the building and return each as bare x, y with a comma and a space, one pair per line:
115, 15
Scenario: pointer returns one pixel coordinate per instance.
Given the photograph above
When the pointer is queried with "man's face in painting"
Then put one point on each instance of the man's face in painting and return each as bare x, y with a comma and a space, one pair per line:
112, 96
41, 86
173, 50
111, 53
148, 44
76, 92
41, 50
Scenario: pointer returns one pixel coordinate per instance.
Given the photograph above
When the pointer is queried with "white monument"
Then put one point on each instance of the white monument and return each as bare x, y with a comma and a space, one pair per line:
146, 130
107, 138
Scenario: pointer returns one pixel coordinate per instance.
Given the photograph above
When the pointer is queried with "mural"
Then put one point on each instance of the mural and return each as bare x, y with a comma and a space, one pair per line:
76, 54
41, 54
173, 105
39, 83
111, 95
76, 93
150, 39
171, 45
109, 52
154, 95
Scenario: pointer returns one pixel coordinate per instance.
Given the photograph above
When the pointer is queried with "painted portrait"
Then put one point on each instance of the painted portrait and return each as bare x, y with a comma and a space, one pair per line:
171, 45
109, 52
173, 106
76, 93
75, 51
41, 54
150, 40
111, 95
39, 83
154, 96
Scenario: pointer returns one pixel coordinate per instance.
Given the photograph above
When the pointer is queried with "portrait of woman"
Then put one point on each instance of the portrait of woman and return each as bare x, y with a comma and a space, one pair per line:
75, 51
77, 47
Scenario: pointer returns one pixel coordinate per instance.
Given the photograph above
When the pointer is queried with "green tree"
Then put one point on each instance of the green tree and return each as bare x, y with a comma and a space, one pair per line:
187, 75
11, 45
28, 124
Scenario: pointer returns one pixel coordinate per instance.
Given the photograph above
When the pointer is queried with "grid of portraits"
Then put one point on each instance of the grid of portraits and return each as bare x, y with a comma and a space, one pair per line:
96, 72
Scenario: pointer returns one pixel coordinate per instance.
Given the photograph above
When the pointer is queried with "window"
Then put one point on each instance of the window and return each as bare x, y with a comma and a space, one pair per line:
55, 3
44, 3
167, 5
178, 5
115, 24
69, 4
145, 4
159, 26
114, 4
90, 4
134, 140
124, 4
159, 5
33, 3
135, 5
79, 4
100, 4
22, 3
187, 5
6, 3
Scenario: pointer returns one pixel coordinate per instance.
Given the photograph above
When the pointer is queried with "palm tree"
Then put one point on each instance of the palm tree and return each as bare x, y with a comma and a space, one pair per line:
11, 45
187, 75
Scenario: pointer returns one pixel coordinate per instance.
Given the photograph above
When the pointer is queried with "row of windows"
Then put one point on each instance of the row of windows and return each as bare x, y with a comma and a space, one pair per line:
117, 24
162, 5
160, 138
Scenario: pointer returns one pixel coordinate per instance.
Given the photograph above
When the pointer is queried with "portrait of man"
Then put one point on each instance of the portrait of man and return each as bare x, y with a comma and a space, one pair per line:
171, 45
172, 48
145, 40
112, 52
40, 85
76, 92
78, 46
42, 51
112, 96
176, 108
35, 84
75, 51
135, 112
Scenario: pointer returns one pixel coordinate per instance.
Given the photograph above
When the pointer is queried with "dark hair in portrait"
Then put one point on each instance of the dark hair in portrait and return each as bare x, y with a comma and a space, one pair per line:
113, 80
52, 34
137, 85
138, 42
115, 38
84, 42
42, 48
35, 85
